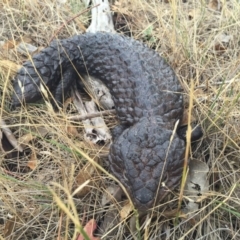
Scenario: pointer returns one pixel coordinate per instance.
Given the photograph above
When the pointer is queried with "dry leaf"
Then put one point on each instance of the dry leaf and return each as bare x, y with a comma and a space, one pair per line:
112, 192
221, 42
27, 39
174, 213
89, 228
85, 174
10, 44
69, 128
33, 162
219, 48
126, 210
9, 227
25, 139
215, 5
66, 103
184, 120
198, 93
72, 130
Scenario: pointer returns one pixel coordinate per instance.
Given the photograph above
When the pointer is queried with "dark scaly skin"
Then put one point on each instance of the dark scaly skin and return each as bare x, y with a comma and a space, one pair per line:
147, 97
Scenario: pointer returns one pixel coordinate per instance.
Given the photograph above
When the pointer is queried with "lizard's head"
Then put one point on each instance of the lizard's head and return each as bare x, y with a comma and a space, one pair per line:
147, 162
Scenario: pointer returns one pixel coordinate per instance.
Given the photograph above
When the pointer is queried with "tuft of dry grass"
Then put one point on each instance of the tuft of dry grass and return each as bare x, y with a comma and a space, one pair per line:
200, 40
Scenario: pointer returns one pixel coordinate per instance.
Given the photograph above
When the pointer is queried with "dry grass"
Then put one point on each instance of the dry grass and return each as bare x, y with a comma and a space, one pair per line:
186, 34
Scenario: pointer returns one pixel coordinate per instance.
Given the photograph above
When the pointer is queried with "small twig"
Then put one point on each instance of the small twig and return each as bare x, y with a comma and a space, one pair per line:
91, 115
215, 84
68, 21
15, 175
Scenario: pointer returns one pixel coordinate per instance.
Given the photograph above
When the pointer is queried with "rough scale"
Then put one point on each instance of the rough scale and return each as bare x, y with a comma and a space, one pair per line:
148, 101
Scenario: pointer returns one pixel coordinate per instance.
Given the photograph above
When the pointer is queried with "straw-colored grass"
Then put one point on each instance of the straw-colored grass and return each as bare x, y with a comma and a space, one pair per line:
201, 41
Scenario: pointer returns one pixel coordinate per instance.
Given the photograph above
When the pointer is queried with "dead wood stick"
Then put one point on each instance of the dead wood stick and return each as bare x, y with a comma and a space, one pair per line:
91, 115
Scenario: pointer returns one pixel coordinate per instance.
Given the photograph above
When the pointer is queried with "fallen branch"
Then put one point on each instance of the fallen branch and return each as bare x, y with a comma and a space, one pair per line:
91, 115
